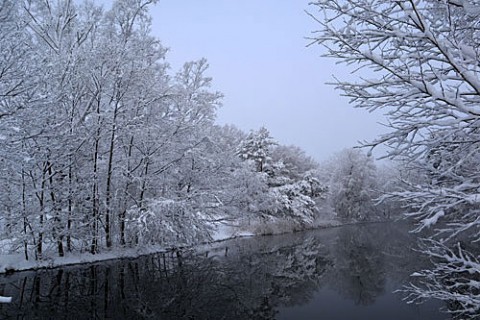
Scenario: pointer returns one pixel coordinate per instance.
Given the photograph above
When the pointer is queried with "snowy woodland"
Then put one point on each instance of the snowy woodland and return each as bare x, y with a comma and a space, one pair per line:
423, 67
104, 147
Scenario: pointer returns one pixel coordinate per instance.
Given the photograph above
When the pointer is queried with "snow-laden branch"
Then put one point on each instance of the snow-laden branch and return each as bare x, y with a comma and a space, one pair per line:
419, 62
455, 278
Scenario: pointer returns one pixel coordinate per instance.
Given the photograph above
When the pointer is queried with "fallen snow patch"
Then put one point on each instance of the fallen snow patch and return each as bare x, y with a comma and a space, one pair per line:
5, 299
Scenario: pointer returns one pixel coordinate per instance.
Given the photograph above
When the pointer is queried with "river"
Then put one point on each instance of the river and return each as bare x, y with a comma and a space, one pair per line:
348, 272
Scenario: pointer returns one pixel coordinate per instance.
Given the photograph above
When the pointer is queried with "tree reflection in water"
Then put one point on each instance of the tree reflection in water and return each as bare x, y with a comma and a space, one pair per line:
257, 278
359, 272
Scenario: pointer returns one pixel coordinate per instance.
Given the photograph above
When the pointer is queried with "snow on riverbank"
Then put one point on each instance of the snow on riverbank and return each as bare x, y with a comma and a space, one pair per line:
17, 262
225, 232
5, 299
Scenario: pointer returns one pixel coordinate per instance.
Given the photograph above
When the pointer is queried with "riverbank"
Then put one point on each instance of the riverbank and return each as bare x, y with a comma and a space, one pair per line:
10, 263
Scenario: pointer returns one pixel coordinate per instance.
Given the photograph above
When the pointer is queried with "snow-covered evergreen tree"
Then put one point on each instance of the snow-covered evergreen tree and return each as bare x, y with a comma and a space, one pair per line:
257, 148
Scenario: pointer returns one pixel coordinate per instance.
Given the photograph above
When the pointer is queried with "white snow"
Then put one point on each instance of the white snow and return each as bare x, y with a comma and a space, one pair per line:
225, 232
471, 9
17, 262
5, 299
428, 222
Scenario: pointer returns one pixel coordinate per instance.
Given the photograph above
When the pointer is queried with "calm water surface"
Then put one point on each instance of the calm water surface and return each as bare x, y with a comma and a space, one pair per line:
341, 273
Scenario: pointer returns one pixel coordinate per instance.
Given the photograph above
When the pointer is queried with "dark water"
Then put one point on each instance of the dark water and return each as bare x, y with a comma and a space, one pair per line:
342, 273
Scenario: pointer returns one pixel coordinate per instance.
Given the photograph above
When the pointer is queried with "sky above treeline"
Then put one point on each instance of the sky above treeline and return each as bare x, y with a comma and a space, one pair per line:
259, 59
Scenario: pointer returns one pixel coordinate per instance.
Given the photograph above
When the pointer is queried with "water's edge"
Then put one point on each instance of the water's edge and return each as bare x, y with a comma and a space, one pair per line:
10, 264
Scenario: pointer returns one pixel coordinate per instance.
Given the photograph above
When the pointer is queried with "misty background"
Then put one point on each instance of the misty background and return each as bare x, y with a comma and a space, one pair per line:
259, 60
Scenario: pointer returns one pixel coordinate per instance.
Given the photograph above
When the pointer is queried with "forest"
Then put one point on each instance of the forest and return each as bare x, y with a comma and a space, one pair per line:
104, 146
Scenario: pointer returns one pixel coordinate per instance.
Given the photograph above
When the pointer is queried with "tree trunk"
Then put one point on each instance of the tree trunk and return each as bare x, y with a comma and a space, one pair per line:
108, 200
95, 201
41, 200
122, 214
69, 206
144, 182
57, 235
24, 209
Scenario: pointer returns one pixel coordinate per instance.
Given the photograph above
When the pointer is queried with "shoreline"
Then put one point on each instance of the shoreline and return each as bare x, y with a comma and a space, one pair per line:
22, 265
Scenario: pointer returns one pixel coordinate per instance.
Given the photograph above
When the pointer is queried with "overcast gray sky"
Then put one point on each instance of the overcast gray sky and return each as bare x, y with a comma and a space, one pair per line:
259, 60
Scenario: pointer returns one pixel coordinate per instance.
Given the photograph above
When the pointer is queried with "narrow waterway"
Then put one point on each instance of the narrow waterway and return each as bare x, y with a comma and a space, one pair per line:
347, 272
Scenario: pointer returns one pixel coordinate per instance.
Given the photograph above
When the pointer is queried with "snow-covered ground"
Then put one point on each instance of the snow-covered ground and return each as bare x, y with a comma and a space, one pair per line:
5, 299
225, 232
17, 262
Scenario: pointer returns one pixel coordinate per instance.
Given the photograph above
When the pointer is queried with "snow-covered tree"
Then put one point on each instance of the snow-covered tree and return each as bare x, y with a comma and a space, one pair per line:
287, 177
426, 58
388, 180
92, 125
257, 148
293, 184
167, 222
352, 184
295, 161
